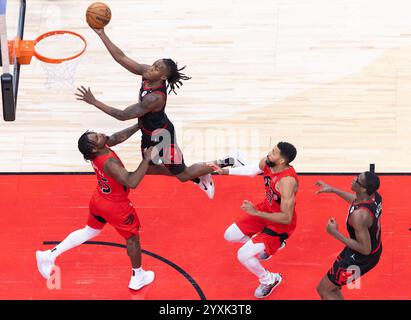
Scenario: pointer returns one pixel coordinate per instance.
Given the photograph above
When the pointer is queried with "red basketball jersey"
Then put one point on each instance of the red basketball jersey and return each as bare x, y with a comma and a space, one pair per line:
108, 187
272, 199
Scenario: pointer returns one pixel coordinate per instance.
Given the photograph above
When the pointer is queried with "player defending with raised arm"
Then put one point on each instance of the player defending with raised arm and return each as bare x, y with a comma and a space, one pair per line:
269, 223
109, 203
156, 128
363, 247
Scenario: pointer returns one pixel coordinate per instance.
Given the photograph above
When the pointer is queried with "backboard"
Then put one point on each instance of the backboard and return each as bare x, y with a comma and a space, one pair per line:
12, 17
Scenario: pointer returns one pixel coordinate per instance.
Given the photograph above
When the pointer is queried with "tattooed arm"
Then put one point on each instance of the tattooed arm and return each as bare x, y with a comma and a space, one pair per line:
123, 135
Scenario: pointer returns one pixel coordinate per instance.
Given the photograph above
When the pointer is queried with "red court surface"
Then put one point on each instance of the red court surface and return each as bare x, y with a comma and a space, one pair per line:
180, 224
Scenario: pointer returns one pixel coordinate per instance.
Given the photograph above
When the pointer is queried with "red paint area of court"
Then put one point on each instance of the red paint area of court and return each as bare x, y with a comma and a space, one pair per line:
182, 225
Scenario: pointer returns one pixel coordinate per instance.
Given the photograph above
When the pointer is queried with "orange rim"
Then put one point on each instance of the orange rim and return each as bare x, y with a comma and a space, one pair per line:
53, 33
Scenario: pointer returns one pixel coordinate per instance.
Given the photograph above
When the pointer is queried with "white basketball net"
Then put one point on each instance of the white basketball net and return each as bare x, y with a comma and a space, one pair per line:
60, 75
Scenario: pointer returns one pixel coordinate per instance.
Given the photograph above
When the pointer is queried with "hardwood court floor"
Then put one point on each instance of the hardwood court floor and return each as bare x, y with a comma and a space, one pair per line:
333, 78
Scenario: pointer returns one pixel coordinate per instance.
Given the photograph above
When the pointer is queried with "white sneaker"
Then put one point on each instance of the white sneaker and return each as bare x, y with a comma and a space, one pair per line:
264, 255
239, 159
141, 280
207, 185
45, 263
264, 290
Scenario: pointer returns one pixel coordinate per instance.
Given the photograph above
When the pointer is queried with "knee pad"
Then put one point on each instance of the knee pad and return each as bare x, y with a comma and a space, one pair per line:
233, 233
227, 235
249, 250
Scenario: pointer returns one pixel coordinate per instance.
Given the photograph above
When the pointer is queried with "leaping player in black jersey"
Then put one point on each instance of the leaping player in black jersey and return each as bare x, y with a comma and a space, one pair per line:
363, 247
150, 110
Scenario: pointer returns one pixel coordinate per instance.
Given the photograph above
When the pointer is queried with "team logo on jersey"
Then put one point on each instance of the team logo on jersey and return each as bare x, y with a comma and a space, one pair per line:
275, 197
269, 192
378, 209
144, 93
130, 219
98, 171
343, 275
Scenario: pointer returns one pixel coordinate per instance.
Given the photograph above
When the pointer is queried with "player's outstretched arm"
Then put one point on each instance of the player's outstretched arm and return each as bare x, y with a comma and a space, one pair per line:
325, 188
151, 102
131, 180
119, 56
123, 135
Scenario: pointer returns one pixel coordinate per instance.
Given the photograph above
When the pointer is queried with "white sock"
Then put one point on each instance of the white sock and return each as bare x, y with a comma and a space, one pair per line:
74, 239
267, 278
246, 255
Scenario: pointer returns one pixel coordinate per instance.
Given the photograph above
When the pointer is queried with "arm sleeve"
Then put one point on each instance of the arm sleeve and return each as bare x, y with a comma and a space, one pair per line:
248, 170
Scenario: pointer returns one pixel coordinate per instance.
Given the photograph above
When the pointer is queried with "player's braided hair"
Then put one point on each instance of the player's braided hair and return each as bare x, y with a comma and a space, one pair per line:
86, 146
175, 77
287, 150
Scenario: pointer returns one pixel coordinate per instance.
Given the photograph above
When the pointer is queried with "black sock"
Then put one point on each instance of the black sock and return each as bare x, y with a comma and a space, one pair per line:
226, 162
196, 180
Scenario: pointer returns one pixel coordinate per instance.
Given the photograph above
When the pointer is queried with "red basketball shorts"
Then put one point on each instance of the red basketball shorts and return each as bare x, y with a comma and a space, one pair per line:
120, 215
262, 231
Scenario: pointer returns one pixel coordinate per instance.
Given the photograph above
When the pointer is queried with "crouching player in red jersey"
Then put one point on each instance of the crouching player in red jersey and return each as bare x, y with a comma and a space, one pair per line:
109, 203
268, 224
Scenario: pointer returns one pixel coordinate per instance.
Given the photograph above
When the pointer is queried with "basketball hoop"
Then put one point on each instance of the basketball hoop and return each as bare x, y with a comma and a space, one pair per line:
57, 50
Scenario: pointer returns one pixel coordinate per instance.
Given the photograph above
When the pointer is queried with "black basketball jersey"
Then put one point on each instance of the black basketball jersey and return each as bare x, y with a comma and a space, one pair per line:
153, 120
374, 207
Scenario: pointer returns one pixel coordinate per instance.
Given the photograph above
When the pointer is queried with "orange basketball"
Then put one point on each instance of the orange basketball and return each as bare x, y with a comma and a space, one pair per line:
98, 15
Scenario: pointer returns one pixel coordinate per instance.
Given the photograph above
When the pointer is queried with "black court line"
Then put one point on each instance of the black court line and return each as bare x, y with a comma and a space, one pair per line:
171, 264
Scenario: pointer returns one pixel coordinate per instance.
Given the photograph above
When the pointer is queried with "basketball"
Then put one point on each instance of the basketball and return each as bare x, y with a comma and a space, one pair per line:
98, 15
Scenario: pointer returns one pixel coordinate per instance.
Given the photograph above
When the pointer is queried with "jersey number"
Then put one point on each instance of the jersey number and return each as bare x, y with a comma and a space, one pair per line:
104, 187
